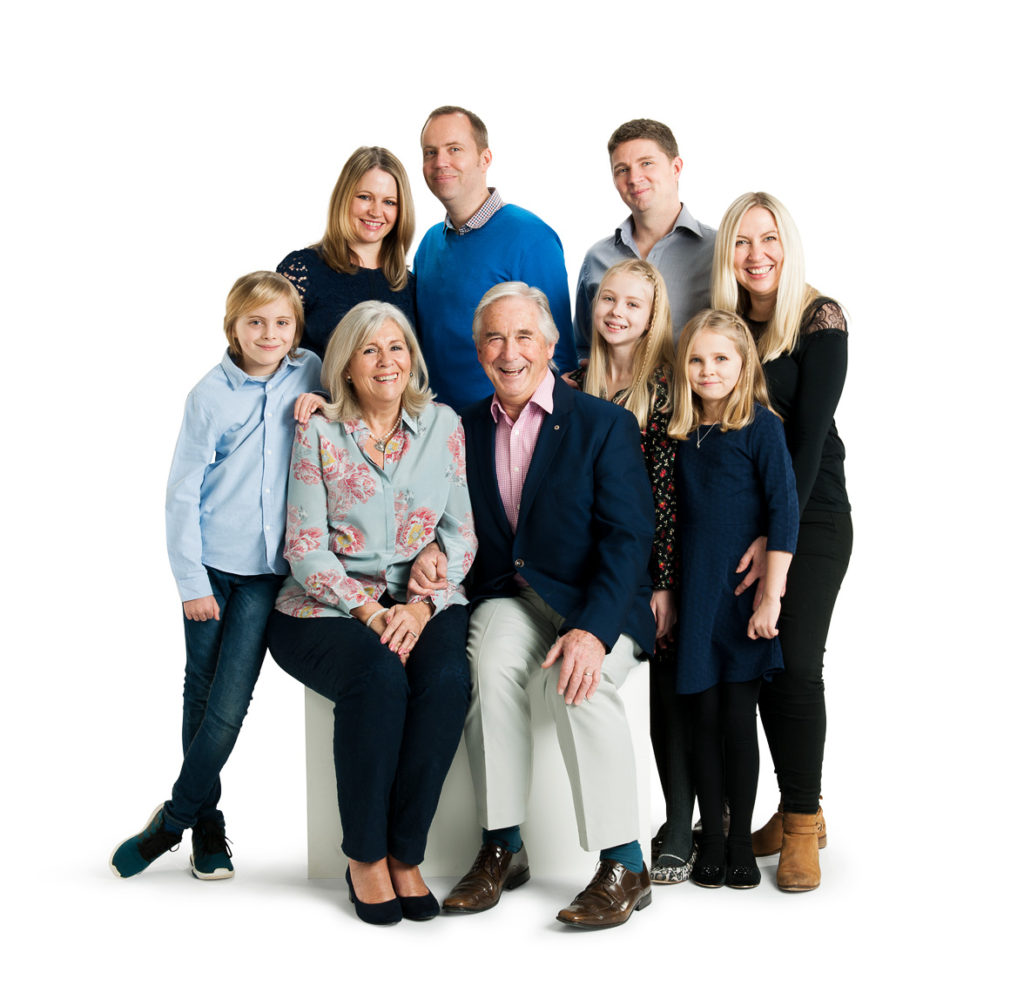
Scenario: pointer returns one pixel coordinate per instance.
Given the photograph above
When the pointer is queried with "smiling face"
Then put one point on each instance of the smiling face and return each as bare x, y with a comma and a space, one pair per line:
622, 309
513, 351
373, 209
263, 336
455, 170
379, 370
758, 255
645, 176
713, 368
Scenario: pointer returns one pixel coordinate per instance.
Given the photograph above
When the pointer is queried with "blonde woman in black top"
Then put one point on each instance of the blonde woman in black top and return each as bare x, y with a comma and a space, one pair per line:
801, 337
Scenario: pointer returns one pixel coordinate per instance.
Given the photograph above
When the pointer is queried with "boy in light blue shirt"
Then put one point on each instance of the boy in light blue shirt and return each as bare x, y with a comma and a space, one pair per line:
225, 529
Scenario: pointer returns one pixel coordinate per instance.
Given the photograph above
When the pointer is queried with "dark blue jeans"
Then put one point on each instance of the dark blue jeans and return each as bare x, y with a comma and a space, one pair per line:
396, 727
222, 663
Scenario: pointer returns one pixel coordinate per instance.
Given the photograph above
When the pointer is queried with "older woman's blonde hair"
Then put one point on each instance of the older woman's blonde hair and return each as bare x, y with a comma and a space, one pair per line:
336, 246
254, 290
355, 329
652, 353
794, 295
750, 387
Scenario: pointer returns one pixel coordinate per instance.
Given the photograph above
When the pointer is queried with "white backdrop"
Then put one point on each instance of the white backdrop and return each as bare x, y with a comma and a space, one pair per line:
152, 155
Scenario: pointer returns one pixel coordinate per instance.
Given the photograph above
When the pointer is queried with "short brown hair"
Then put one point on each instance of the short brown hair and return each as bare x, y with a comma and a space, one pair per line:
644, 127
476, 124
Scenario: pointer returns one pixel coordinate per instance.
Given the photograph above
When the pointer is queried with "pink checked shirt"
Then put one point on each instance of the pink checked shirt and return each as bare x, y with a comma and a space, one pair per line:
515, 442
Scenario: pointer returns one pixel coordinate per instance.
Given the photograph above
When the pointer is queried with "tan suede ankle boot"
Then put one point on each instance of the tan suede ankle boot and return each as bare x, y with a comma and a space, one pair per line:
768, 840
798, 861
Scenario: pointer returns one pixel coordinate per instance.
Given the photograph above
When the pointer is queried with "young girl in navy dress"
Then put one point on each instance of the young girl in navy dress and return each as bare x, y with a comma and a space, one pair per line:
631, 364
225, 529
734, 482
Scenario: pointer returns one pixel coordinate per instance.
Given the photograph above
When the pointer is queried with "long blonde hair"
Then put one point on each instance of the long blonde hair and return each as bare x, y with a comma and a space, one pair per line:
794, 295
652, 353
750, 387
335, 247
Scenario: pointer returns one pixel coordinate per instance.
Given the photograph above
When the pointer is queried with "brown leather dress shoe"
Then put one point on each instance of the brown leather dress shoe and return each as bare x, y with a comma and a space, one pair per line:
610, 897
495, 869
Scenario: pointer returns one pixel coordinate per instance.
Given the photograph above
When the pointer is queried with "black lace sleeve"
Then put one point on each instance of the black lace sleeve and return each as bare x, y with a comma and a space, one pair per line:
295, 268
821, 356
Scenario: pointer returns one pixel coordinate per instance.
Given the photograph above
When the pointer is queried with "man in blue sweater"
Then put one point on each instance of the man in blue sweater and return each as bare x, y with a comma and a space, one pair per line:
481, 242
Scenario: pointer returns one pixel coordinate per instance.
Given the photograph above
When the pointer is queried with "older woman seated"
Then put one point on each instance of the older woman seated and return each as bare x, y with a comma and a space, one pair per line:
377, 476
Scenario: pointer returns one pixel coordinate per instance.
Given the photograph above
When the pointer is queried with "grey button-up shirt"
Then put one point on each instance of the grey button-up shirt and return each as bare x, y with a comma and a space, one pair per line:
683, 257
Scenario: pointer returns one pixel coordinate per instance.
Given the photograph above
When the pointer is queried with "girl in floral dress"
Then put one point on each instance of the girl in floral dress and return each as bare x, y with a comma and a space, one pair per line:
631, 364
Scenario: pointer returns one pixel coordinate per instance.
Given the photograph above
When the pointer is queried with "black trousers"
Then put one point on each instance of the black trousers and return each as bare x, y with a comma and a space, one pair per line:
792, 705
396, 727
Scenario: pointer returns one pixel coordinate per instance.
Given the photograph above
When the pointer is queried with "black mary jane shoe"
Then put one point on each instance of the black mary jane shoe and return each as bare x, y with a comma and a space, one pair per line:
388, 912
743, 877
419, 908
708, 874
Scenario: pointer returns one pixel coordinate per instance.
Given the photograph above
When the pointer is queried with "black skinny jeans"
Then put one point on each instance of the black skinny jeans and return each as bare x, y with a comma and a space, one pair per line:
792, 704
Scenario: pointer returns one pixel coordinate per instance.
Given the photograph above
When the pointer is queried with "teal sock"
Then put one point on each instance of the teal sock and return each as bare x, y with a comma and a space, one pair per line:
630, 855
508, 837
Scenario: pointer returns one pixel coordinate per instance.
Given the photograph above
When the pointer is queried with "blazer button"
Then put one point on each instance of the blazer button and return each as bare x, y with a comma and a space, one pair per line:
519, 563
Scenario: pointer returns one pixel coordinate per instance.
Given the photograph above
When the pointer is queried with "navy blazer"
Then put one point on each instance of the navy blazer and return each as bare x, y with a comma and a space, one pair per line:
586, 518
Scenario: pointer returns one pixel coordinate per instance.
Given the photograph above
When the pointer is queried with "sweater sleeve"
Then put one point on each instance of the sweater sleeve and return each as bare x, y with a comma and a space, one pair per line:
294, 268
543, 265
822, 358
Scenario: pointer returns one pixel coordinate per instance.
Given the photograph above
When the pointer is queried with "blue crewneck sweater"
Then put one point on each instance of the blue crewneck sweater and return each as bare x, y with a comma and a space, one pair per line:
454, 271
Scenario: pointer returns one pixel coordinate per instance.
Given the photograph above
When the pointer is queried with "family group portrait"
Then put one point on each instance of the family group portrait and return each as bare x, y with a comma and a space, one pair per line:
510, 498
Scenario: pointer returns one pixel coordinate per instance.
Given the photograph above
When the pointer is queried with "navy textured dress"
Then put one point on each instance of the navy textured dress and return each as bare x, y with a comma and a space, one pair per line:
736, 486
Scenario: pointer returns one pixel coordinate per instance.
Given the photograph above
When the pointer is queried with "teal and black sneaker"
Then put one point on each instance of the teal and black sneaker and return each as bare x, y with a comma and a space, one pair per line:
135, 853
211, 857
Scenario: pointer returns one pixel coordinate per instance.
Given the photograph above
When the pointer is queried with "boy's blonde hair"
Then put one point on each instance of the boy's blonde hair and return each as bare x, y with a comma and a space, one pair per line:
256, 289
652, 353
750, 387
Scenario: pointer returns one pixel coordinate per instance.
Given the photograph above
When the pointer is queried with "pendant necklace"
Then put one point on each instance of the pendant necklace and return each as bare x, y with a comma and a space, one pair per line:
706, 433
381, 443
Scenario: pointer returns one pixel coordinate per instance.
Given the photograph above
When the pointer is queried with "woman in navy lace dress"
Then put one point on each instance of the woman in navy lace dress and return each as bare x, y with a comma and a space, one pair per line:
370, 224
801, 338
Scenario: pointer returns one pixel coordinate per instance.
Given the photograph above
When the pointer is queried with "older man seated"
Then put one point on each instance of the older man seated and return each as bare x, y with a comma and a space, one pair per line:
565, 521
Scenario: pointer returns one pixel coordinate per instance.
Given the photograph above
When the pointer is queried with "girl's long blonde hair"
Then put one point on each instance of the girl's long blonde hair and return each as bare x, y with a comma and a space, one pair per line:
652, 353
750, 387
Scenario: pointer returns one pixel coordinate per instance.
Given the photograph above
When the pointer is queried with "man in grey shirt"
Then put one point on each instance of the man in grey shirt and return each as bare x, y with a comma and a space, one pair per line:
645, 169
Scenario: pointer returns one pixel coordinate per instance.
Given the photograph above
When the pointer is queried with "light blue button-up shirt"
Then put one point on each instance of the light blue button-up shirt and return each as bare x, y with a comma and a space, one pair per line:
227, 489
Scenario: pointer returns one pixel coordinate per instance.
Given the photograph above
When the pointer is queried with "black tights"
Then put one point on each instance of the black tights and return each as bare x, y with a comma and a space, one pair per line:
726, 760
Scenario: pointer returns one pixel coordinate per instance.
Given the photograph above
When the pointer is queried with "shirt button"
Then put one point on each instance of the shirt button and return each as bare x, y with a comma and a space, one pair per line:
515, 468
519, 563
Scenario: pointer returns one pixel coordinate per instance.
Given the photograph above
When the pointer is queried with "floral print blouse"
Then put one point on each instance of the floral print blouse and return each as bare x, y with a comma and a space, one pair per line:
660, 458
354, 529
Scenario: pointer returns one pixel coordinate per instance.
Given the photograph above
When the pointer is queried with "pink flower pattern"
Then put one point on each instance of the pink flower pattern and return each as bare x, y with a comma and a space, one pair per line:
337, 518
